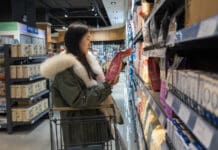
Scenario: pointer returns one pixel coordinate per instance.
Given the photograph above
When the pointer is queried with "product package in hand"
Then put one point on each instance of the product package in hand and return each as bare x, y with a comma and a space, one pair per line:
116, 65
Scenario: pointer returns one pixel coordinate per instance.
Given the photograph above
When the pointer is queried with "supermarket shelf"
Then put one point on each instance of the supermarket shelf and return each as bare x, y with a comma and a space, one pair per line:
32, 97
161, 53
154, 102
202, 130
27, 79
28, 58
199, 36
33, 120
155, 10
138, 37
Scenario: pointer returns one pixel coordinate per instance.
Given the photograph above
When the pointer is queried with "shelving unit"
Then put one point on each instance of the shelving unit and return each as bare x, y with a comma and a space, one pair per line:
154, 102
203, 131
196, 43
8, 82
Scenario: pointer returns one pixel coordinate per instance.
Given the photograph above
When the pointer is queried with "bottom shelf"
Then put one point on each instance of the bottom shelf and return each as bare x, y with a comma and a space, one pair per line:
33, 120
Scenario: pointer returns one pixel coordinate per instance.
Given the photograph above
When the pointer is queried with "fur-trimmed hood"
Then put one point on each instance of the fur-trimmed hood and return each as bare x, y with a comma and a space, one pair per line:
59, 63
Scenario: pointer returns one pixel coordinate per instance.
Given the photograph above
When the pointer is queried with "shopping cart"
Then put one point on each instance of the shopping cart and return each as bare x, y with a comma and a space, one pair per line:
86, 132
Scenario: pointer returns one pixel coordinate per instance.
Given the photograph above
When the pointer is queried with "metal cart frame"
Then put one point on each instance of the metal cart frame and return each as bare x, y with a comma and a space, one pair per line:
90, 143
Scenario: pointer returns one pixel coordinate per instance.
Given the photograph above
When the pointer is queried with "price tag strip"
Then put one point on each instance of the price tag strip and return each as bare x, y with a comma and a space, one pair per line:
204, 132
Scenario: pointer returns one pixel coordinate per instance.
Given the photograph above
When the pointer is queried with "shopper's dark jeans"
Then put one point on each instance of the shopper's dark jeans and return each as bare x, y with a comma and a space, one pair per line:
91, 147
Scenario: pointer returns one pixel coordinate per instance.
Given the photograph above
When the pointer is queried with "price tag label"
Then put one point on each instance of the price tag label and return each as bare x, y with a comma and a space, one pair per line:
207, 27
203, 132
184, 113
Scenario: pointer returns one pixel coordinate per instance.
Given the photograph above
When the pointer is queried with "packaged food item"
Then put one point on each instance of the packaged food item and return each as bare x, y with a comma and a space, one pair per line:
18, 91
19, 71
13, 91
154, 74
14, 51
13, 71
23, 50
25, 91
31, 50
26, 71
116, 65
2, 88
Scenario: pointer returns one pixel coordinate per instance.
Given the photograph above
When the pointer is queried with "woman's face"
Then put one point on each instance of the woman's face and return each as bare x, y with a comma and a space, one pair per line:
85, 43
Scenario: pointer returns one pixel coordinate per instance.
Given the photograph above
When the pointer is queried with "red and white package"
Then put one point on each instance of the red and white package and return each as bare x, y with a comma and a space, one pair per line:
116, 65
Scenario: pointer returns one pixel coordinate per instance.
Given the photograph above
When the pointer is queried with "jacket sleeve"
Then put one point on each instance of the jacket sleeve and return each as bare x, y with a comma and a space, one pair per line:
73, 94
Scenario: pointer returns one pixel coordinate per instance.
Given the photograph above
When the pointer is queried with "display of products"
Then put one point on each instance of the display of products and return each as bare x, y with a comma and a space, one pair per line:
26, 114
26, 50
27, 90
181, 138
24, 71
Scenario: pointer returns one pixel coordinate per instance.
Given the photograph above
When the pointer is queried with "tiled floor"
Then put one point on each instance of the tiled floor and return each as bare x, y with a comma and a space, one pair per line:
37, 137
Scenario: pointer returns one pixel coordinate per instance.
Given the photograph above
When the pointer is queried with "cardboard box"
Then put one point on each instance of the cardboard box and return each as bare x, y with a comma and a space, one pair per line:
23, 50
13, 71
14, 51
26, 71
18, 91
198, 10
19, 71
26, 91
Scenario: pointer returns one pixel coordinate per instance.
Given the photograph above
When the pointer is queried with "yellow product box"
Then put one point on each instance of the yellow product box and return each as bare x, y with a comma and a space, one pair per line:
13, 71
18, 91
13, 91
19, 71
19, 114
26, 91
23, 50
26, 71
14, 51
27, 114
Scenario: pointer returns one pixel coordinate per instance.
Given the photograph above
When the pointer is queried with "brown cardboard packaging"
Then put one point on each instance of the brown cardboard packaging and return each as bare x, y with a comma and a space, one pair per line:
23, 50
13, 91
26, 71
13, 72
19, 71
18, 91
14, 51
198, 10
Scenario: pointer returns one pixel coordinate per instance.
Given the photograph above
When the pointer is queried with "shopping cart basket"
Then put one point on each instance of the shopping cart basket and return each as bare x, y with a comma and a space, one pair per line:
85, 132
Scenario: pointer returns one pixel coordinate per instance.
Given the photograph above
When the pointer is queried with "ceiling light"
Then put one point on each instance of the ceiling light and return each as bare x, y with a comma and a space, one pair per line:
113, 3
96, 14
64, 28
65, 15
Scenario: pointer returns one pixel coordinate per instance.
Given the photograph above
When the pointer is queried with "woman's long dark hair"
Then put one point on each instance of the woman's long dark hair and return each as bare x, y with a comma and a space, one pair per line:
72, 39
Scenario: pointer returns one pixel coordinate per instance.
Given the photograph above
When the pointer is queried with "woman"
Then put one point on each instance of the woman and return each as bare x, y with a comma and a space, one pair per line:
78, 81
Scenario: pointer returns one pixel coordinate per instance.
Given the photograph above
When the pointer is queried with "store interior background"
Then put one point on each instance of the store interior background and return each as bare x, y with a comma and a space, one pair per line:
167, 92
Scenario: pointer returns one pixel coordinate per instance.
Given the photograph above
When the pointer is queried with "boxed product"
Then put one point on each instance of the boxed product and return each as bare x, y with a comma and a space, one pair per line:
26, 91
208, 95
154, 74
14, 51
198, 10
26, 71
23, 50
28, 114
116, 65
18, 91
193, 81
13, 91
13, 71
19, 71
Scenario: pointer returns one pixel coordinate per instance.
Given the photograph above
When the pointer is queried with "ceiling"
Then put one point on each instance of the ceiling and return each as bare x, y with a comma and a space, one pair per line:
96, 13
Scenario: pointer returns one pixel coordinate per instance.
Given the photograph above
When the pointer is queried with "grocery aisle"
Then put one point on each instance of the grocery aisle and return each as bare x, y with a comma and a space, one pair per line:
37, 137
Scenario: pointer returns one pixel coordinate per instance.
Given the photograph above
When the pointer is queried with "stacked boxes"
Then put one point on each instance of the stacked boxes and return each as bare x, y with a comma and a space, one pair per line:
200, 86
26, 50
181, 138
27, 90
28, 113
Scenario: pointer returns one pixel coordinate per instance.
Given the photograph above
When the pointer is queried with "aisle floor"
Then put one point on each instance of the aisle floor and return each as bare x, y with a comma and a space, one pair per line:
37, 137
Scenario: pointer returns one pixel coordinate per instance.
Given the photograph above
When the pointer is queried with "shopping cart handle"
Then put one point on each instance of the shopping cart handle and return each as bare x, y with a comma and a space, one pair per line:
55, 109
